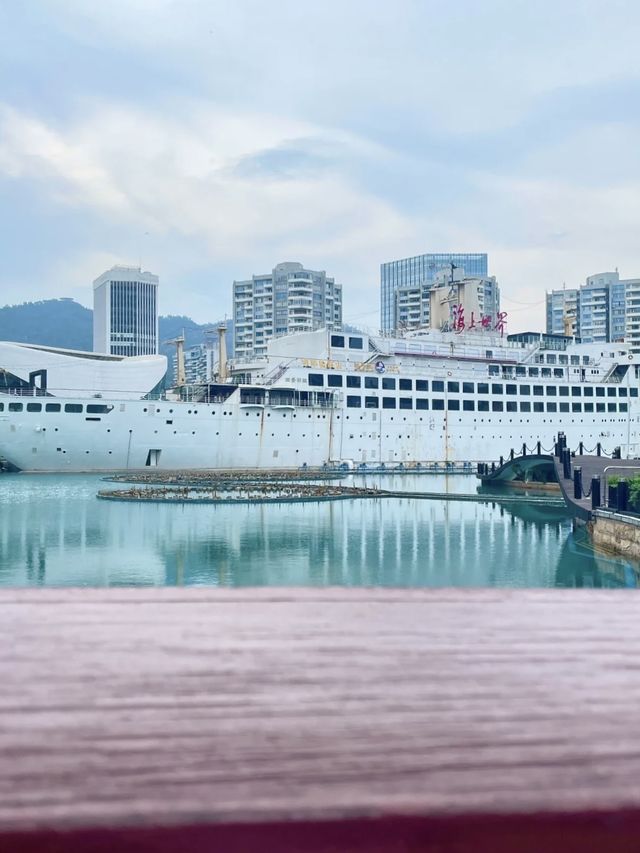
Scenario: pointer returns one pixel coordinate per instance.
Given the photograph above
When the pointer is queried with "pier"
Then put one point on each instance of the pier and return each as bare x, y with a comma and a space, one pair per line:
575, 473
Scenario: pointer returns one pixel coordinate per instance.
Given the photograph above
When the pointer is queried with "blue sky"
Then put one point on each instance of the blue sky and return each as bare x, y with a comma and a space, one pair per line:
211, 140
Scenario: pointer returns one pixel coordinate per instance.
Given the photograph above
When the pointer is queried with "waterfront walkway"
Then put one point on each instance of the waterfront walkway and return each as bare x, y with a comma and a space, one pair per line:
592, 466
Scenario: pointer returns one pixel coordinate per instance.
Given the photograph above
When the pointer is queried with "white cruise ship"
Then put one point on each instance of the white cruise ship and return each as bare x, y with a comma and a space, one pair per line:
321, 398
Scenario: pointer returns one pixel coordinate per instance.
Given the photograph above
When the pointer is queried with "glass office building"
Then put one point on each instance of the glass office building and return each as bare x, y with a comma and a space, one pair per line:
421, 270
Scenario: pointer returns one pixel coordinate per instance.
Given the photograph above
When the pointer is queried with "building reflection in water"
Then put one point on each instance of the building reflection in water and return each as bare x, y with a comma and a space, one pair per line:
53, 531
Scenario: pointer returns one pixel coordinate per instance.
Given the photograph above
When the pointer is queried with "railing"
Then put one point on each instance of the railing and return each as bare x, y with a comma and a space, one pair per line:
359, 773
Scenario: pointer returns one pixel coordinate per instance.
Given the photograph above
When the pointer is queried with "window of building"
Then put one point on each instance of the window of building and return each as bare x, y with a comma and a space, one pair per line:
437, 385
74, 408
525, 390
388, 402
587, 392
521, 371
337, 341
316, 379
371, 402
496, 388
422, 385
563, 391
388, 383
494, 370
538, 407
497, 406
353, 402
611, 407
483, 387
525, 407
468, 405
624, 407
563, 359
599, 392
355, 343
15, 407
421, 403
538, 391
370, 381
576, 391
564, 407
633, 392
453, 405
53, 407
453, 387
1, 407
533, 371
406, 403
34, 407
405, 384
576, 407
611, 392
437, 404
551, 390
354, 381
558, 372
622, 392
551, 359
483, 405
334, 380
468, 388
588, 407
552, 407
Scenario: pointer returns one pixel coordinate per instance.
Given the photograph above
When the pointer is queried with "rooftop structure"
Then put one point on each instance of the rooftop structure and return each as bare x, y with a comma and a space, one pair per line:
419, 272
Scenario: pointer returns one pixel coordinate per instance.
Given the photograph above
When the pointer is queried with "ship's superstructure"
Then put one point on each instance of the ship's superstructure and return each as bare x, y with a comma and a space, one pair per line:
326, 397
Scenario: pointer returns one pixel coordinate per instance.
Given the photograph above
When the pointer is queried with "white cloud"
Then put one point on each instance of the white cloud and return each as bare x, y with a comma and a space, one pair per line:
178, 178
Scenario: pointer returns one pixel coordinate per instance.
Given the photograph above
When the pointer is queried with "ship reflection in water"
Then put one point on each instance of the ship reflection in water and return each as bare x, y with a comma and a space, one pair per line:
55, 532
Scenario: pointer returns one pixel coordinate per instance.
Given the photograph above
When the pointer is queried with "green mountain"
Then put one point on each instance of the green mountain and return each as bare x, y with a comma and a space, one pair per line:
67, 324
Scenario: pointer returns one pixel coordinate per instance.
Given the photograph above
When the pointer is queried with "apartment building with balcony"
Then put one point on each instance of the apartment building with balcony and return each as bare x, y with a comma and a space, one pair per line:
562, 311
606, 308
289, 299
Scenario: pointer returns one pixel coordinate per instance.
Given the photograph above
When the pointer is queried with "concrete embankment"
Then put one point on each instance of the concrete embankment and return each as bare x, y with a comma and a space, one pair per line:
616, 533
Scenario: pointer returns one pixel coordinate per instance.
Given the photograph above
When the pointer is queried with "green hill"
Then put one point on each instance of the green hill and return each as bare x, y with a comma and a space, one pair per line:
65, 323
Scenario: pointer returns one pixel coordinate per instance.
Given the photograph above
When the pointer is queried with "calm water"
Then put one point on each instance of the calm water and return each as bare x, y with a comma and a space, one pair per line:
55, 532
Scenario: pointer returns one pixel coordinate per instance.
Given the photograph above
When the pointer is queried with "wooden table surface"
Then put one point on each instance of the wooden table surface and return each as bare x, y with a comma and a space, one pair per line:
177, 719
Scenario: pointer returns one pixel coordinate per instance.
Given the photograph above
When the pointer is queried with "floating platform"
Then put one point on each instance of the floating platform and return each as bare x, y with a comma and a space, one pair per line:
251, 492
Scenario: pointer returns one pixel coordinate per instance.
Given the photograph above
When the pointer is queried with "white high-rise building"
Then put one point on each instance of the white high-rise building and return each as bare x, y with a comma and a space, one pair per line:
125, 312
289, 299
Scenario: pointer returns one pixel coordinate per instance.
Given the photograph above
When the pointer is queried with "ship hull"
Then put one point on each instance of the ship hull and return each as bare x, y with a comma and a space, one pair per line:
177, 435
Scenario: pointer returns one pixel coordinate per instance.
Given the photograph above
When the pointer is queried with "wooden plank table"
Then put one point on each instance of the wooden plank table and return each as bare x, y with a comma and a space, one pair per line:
319, 720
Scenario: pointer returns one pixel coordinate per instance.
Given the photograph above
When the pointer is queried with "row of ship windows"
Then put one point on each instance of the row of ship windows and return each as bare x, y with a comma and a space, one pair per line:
454, 405
388, 383
75, 408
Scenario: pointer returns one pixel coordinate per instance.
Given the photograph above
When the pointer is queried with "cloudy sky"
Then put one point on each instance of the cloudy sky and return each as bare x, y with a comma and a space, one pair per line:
211, 139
